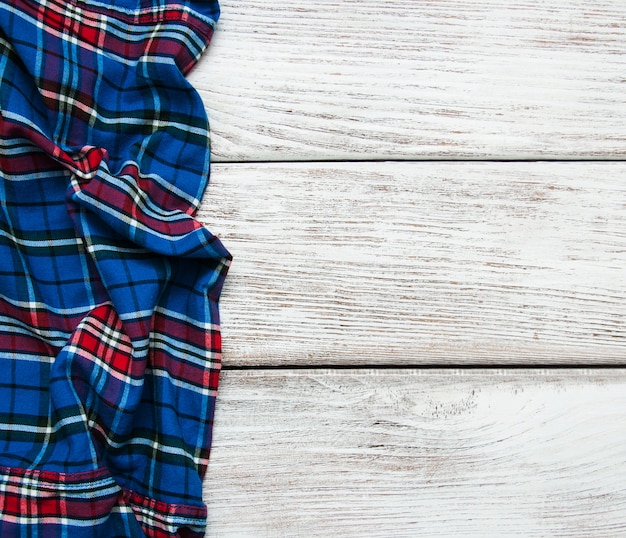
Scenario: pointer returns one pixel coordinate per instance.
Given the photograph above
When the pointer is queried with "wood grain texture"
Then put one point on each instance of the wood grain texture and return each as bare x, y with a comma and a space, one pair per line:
458, 79
422, 263
415, 453
411, 263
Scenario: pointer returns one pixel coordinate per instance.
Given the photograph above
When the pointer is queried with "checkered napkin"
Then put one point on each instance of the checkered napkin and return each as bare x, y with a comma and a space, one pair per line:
109, 331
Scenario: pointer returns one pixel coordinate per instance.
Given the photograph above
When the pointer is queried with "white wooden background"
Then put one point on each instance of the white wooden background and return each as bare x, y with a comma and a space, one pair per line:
425, 321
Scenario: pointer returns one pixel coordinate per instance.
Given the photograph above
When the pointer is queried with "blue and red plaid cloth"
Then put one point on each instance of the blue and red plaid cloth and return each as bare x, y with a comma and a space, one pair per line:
109, 331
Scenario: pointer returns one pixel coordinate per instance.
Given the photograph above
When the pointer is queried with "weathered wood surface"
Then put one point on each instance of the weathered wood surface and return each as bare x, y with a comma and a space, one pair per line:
363, 79
410, 453
422, 263
370, 263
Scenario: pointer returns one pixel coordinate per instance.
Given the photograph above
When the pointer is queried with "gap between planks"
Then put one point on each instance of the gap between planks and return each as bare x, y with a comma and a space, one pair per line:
437, 367
426, 160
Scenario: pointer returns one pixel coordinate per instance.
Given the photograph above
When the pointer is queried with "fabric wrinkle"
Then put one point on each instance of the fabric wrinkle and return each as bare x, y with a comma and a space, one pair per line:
110, 342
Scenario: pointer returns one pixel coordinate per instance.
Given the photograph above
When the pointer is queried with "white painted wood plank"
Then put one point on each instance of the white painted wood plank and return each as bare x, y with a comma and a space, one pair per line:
419, 453
422, 263
400, 79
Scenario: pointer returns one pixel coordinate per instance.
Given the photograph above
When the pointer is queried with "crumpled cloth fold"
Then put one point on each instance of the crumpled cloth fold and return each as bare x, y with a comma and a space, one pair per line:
110, 345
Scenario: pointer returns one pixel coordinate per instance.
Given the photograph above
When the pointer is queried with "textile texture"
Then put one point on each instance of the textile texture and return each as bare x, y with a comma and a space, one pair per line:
109, 332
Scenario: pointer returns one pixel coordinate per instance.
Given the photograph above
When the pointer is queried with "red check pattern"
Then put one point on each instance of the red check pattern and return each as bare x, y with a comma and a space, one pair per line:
110, 347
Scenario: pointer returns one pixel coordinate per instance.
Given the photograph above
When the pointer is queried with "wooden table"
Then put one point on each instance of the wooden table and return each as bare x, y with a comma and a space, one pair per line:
425, 321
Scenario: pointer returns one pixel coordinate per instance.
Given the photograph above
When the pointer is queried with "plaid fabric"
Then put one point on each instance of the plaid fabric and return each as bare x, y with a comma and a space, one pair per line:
109, 331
